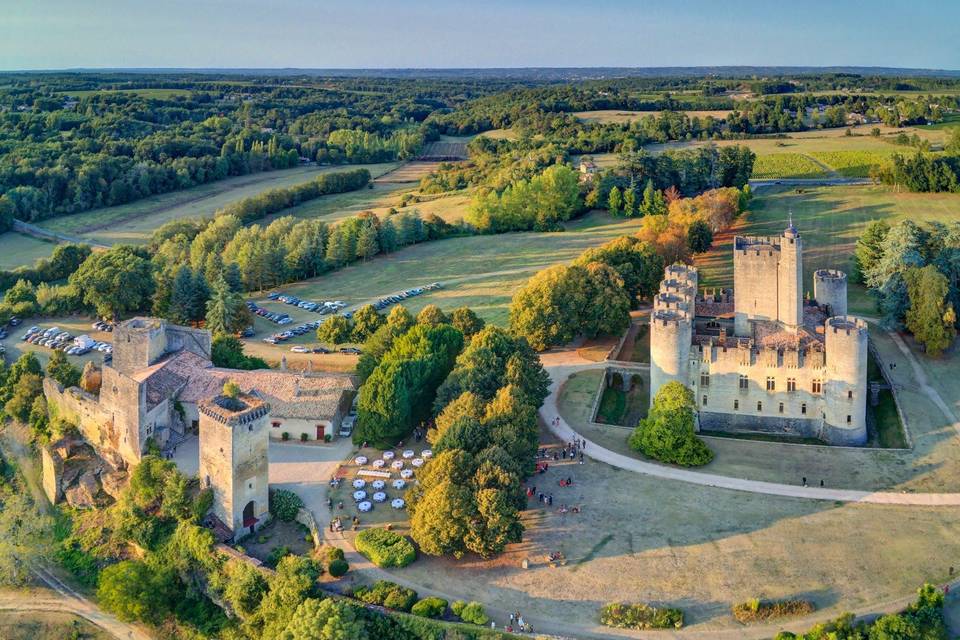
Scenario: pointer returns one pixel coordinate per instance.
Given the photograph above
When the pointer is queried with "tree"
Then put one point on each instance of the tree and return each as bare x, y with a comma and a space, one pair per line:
227, 313
869, 248
366, 321
116, 281
629, 202
930, 317
547, 310
25, 535
334, 330
180, 309
24, 391
465, 433
607, 307
325, 619
431, 315
699, 236
134, 592
636, 262
293, 582
245, 587
615, 201
400, 319
367, 243
60, 369
227, 351
468, 322
667, 433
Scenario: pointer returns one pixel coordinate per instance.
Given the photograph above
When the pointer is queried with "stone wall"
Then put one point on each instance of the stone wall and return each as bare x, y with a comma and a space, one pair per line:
305, 517
746, 423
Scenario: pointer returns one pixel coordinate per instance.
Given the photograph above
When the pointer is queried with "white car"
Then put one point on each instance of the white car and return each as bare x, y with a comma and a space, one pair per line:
299, 349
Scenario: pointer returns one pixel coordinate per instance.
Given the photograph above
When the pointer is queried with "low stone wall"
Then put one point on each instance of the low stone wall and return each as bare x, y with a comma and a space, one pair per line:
305, 517
785, 427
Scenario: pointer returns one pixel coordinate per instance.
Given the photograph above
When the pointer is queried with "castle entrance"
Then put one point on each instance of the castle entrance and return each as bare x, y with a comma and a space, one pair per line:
249, 520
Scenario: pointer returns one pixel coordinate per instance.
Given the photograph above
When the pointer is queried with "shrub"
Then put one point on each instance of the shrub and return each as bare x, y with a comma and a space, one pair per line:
387, 594
755, 610
338, 568
431, 607
285, 435
639, 616
275, 555
327, 437
285, 504
303, 437
385, 548
471, 612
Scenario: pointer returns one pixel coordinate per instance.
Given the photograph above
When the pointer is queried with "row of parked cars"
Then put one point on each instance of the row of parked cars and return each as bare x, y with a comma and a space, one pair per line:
383, 303
323, 308
272, 316
299, 330
54, 338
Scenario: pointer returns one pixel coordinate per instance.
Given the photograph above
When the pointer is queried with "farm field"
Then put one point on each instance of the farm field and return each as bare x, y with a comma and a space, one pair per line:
500, 134
411, 171
696, 549
134, 222
829, 219
617, 116
786, 165
852, 164
17, 249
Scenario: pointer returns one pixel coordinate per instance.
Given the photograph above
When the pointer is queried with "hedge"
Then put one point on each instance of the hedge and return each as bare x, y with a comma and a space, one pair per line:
285, 504
387, 594
471, 612
639, 616
431, 607
338, 567
756, 610
385, 548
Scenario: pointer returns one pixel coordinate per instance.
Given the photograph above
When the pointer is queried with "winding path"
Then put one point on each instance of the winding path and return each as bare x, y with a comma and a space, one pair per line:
560, 364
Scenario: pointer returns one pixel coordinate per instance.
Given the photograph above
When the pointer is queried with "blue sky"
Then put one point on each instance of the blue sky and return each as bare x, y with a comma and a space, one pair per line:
46, 34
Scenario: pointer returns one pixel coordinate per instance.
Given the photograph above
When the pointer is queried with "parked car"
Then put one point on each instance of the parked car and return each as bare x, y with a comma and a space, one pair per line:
353, 351
321, 350
299, 349
15, 322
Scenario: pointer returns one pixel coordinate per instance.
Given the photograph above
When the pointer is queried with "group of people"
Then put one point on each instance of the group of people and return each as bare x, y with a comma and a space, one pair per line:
518, 624
336, 525
571, 451
543, 498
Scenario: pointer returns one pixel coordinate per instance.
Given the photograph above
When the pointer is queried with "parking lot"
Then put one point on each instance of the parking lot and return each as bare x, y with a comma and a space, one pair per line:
96, 343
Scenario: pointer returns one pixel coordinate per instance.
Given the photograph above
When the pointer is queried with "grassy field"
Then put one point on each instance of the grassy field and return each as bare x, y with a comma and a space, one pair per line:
133, 223
617, 116
500, 134
854, 164
48, 625
18, 250
700, 549
829, 219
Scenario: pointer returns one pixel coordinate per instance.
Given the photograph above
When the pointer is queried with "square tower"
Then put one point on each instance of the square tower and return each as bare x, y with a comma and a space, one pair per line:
234, 437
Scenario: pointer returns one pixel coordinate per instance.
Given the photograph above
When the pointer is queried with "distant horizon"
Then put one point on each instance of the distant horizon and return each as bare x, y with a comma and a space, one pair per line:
461, 34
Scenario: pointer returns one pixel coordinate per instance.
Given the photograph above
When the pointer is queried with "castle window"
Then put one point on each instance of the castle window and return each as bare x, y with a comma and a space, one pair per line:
704, 400
781, 407
276, 425
771, 384
791, 384
250, 427
803, 408
850, 395
744, 382
816, 387
759, 406
848, 419
704, 380
736, 405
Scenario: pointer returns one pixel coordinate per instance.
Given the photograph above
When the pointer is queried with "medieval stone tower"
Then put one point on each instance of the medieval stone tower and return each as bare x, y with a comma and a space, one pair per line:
671, 326
768, 272
845, 388
234, 436
830, 291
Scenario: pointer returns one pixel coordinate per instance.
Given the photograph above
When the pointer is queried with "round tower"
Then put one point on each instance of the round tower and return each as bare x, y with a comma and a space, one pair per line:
830, 291
845, 386
671, 332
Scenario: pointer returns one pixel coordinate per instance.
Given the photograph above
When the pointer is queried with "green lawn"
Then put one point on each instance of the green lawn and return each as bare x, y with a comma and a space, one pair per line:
18, 250
134, 222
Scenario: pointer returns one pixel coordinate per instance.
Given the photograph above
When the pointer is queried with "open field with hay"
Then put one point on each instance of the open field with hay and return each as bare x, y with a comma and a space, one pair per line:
618, 116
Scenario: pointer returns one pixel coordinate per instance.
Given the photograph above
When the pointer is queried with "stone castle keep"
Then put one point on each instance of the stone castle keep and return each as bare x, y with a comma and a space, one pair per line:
760, 359
162, 385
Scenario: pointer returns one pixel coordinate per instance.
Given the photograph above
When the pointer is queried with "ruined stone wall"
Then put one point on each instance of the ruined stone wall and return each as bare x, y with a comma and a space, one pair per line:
94, 421
188, 339
123, 399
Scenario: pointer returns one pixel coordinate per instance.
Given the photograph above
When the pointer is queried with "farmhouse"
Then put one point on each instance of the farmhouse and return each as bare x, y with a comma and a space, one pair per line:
160, 376
760, 358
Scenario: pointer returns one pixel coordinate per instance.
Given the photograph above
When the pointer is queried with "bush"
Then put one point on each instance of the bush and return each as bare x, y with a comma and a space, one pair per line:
285, 504
327, 437
471, 612
285, 435
385, 548
667, 433
431, 607
303, 437
338, 568
640, 616
755, 610
275, 555
387, 594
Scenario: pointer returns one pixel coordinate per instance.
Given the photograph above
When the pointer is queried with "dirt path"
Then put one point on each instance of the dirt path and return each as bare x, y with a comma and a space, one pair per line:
831, 173
560, 364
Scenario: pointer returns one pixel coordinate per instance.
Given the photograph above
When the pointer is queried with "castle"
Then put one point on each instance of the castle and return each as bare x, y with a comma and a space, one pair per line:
162, 384
759, 359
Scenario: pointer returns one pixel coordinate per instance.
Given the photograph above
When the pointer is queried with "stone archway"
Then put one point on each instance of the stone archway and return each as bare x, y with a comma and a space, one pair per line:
249, 517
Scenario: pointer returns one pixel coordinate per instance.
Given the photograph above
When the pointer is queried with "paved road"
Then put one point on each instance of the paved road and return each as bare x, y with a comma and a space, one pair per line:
560, 364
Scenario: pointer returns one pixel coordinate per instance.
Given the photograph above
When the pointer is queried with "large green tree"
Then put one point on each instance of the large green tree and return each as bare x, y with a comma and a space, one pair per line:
116, 281
25, 536
227, 313
667, 433
930, 318
326, 619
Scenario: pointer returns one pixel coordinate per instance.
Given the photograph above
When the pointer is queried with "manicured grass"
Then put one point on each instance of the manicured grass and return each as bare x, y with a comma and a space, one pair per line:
830, 220
641, 344
786, 165
17, 250
133, 223
889, 434
613, 404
